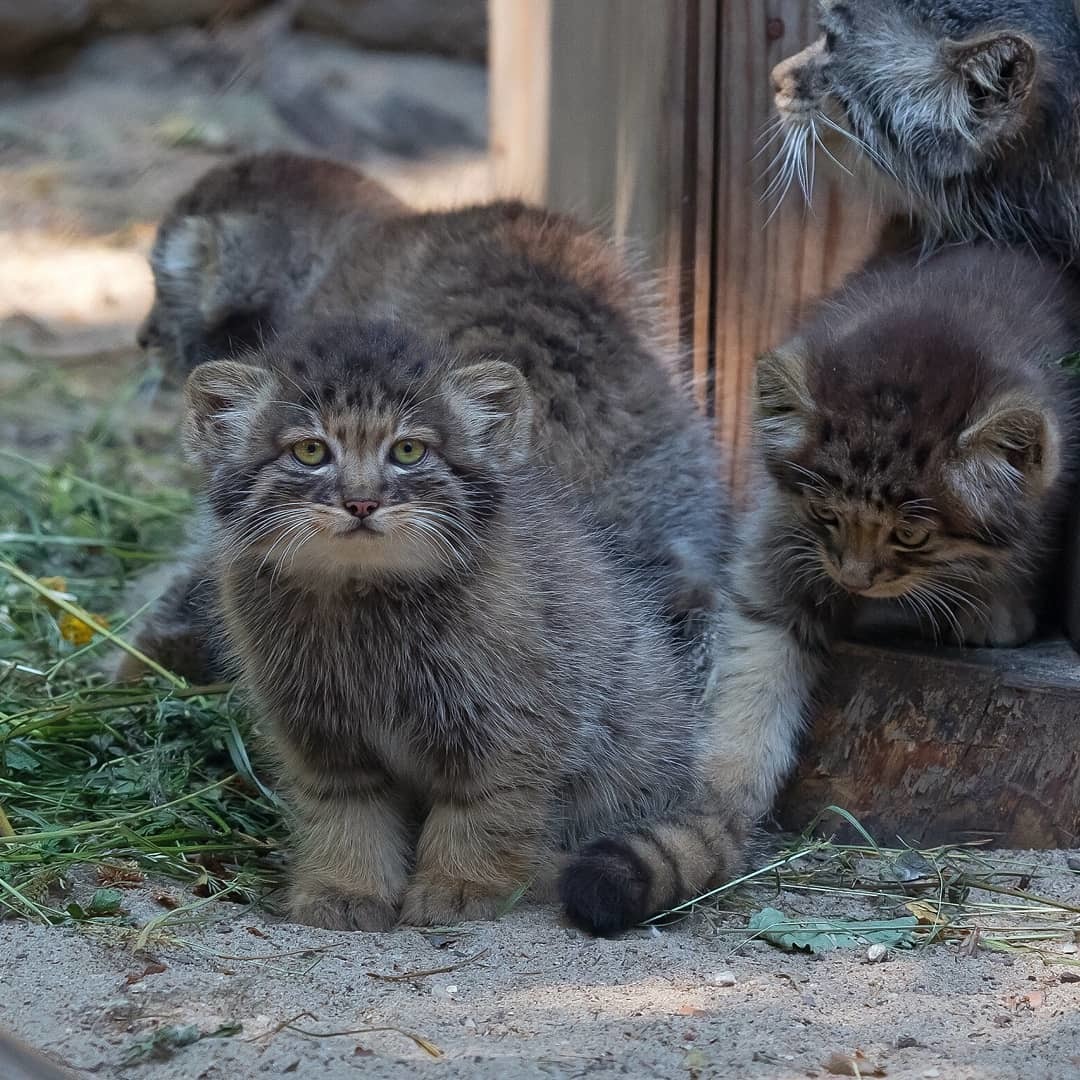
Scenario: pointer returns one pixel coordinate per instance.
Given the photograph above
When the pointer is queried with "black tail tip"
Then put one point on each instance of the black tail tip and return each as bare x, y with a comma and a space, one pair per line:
605, 889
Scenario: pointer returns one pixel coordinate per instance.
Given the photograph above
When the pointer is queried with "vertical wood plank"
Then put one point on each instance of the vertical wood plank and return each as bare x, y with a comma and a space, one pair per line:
767, 274
519, 74
610, 132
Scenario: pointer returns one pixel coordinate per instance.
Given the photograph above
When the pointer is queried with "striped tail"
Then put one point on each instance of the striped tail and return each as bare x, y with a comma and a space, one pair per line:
623, 879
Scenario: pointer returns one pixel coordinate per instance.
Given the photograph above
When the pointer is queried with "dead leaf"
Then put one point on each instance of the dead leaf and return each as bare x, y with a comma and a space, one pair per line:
151, 969
855, 1064
690, 1010
120, 875
1029, 1002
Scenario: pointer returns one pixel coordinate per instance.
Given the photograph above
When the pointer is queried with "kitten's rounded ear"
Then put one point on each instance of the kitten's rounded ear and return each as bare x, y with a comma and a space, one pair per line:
997, 72
217, 277
782, 401
494, 401
1016, 441
219, 398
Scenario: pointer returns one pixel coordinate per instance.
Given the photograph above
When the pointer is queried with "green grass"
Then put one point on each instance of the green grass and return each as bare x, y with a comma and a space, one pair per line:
118, 781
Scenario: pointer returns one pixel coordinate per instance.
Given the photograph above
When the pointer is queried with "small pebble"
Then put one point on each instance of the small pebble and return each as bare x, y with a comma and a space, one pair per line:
876, 953
451, 989
470, 1024
931, 1073
723, 978
1070, 948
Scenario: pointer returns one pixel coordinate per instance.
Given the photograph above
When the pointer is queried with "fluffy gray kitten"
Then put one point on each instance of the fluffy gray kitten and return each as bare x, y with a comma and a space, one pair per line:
459, 683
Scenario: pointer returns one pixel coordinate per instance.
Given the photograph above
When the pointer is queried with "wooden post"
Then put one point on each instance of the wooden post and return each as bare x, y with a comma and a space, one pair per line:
644, 117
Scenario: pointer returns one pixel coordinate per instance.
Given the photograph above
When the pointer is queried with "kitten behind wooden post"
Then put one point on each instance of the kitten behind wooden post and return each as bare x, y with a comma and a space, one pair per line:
916, 446
458, 680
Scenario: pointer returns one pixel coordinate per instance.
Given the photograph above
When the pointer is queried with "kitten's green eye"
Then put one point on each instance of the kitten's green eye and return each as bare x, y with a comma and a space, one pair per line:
408, 451
310, 452
911, 536
823, 514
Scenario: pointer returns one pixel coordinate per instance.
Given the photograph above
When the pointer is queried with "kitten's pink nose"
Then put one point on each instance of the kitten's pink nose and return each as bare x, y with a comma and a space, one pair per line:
361, 508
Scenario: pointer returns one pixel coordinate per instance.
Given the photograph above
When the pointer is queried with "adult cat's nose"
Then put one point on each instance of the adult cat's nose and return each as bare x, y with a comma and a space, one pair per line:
361, 508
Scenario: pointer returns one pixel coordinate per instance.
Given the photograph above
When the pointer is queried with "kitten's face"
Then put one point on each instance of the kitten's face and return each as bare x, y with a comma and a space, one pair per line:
356, 453
929, 91
909, 472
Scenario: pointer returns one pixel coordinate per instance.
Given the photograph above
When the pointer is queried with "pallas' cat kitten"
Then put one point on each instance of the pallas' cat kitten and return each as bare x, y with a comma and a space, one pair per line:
968, 110
264, 244
457, 680
915, 443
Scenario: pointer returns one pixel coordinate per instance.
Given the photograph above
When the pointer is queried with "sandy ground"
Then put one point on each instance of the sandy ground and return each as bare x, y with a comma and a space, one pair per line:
89, 157
528, 997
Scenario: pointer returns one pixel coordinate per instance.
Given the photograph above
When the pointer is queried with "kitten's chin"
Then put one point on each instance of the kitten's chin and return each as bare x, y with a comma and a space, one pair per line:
360, 554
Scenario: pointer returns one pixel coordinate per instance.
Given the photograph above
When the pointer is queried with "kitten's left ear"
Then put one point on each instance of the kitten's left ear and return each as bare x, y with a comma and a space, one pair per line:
1015, 434
494, 401
997, 72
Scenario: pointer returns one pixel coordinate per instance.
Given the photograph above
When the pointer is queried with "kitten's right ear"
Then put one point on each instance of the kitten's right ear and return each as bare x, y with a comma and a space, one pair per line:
494, 401
782, 401
219, 398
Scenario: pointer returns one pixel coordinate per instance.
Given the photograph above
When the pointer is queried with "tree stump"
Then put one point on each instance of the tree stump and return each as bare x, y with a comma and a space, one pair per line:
943, 745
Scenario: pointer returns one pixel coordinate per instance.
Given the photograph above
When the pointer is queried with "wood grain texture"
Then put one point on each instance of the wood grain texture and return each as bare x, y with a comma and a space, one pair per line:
767, 274
937, 746
609, 131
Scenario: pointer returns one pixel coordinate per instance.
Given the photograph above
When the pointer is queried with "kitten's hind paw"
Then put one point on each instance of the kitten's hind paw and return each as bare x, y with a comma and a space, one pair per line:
605, 889
334, 910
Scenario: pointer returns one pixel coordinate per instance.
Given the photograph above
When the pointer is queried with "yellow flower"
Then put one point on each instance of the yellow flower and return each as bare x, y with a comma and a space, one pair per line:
76, 632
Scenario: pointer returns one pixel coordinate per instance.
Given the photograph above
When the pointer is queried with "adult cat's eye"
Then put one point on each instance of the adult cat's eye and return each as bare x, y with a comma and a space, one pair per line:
407, 451
910, 536
822, 514
310, 452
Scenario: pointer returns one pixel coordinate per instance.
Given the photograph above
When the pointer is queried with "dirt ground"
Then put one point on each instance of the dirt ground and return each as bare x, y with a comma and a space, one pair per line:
527, 997
90, 155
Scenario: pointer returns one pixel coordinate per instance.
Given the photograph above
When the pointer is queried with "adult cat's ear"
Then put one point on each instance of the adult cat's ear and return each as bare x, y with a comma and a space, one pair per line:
1016, 442
997, 73
493, 400
219, 400
782, 401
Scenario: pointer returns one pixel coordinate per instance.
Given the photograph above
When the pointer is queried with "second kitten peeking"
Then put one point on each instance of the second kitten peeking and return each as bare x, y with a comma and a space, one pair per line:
916, 444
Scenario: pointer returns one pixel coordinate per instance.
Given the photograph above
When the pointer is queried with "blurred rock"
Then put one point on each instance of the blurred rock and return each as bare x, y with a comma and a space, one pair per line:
457, 28
29, 25
157, 14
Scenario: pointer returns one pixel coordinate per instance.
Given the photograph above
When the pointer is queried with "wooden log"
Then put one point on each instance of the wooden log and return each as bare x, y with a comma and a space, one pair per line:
941, 745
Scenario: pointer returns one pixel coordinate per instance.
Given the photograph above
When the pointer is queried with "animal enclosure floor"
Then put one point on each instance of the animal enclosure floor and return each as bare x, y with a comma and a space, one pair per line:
89, 158
529, 998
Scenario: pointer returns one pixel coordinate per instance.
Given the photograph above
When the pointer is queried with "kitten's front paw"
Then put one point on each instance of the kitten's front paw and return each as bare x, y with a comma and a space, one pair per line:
437, 901
334, 910
1002, 625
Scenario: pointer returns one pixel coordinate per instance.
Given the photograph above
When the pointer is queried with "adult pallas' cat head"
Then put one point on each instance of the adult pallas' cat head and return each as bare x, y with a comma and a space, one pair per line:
356, 450
945, 97
910, 462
